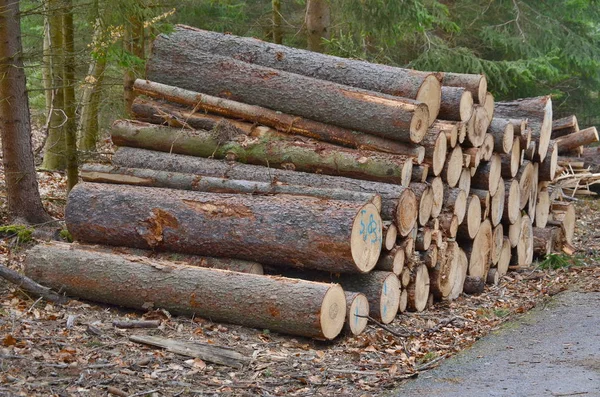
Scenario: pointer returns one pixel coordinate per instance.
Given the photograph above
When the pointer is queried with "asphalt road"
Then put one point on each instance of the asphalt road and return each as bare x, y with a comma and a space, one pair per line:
550, 351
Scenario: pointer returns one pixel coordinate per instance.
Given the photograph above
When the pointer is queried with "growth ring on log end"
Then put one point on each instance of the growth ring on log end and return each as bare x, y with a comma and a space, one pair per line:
366, 238
429, 93
333, 311
419, 123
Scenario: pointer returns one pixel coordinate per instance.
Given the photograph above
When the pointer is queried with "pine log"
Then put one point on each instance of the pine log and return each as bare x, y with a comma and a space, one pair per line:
344, 235
522, 255
512, 201
424, 197
456, 104
542, 208
443, 275
519, 125
455, 201
542, 242
435, 144
422, 86
547, 168
538, 112
405, 276
504, 261
530, 151
408, 245
474, 285
487, 148
497, 204
497, 243
475, 83
503, 132
449, 225
403, 301
563, 214
357, 312
474, 157
196, 117
450, 129
418, 289
514, 231
526, 139
569, 142
419, 173
470, 226
460, 275
485, 198
437, 190
427, 257
172, 62
493, 277
462, 131
565, 126
267, 150
138, 158
534, 192
477, 127
453, 167
423, 240
525, 177
488, 175
489, 105
390, 234
478, 250
392, 261
290, 306
512, 161
437, 236
464, 182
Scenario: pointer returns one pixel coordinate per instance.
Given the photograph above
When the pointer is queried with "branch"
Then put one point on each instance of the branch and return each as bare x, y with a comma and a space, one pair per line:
31, 286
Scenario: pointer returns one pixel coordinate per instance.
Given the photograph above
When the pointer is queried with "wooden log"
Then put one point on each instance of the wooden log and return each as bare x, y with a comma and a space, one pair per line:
503, 132
470, 226
424, 196
542, 208
519, 125
388, 116
419, 173
462, 131
443, 275
479, 249
514, 231
547, 168
493, 277
505, 254
489, 105
542, 242
485, 198
30, 286
418, 289
525, 177
522, 255
405, 276
357, 312
497, 243
487, 148
403, 301
584, 137
456, 104
462, 263
474, 83
497, 204
199, 223
392, 261
267, 150
512, 161
422, 86
526, 139
427, 257
138, 158
196, 117
530, 152
408, 245
477, 127
136, 324
295, 307
449, 224
474, 285
464, 182
435, 144
512, 201
423, 240
390, 234
452, 135
538, 112
564, 126
474, 157
437, 190
488, 175
563, 214
453, 167
455, 201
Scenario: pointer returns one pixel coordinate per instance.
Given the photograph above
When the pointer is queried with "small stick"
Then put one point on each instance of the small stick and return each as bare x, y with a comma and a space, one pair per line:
137, 324
31, 286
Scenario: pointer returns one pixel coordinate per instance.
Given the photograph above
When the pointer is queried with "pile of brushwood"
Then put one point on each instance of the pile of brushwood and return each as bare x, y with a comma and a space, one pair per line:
278, 188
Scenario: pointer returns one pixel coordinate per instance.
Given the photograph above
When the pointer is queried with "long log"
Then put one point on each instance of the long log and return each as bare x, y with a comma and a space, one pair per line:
405, 219
538, 112
267, 150
497, 204
470, 226
547, 168
455, 200
392, 261
460, 274
525, 177
504, 261
522, 255
475, 83
569, 142
422, 86
456, 104
436, 146
172, 63
443, 275
419, 173
329, 235
191, 110
290, 306
497, 244
437, 190
514, 231
542, 208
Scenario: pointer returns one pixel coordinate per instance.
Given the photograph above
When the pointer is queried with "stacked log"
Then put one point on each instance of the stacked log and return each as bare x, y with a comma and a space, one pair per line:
256, 153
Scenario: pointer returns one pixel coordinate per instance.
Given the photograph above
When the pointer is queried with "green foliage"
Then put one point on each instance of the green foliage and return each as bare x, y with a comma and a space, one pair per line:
66, 236
20, 232
559, 261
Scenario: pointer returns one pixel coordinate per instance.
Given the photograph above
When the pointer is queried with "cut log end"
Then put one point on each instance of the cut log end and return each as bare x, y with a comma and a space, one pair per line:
357, 307
333, 312
418, 289
453, 167
406, 212
419, 123
430, 94
390, 299
366, 238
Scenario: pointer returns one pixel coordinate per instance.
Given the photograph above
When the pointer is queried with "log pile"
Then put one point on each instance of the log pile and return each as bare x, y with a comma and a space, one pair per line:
360, 190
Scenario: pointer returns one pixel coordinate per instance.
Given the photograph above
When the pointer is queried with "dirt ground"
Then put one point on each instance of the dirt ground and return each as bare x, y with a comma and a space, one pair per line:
74, 350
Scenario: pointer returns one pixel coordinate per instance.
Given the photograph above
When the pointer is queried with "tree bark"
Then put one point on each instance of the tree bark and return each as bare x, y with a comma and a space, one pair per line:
474, 285
380, 114
265, 148
392, 261
456, 104
167, 114
542, 241
475, 83
572, 141
68, 74
22, 194
565, 126
421, 86
290, 306
317, 20
326, 234
538, 112
276, 12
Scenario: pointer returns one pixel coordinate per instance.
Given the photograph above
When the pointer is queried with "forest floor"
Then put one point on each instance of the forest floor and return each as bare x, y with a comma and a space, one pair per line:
74, 349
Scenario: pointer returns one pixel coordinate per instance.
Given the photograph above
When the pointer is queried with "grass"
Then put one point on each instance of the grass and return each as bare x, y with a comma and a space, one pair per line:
20, 232
559, 261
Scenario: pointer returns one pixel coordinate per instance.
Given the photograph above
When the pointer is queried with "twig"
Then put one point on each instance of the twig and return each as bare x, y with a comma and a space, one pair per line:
388, 329
116, 392
137, 324
430, 364
442, 324
31, 286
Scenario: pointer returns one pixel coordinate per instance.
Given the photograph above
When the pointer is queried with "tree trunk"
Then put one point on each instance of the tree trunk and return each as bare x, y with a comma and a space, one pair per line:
485, 198
542, 208
277, 31
460, 275
487, 148
522, 255
133, 41
22, 194
290, 306
547, 168
380, 114
421, 86
357, 311
437, 190
504, 261
514, 231
572, 141
538, 112
268, 149
55, 146
443, 275
405, 219
390, 235
455, 201
330, 235
497, 243
317, 20
497, 204
489, 105
464, 182
435, 144
503, 132
448, 225
525, 177
456, 104
479, 249
166, 114
68, 72
475, 83
419, 173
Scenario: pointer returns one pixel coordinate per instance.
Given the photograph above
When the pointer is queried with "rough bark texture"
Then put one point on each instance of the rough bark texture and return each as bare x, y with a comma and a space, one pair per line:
397, 118
565, 126
538, 112
474, 285
392, 261
475, 83
405, 219
407, 83
269, 230
572, 141
317, 20
457, 104
164, 113
22, 194
282, 305
267, 149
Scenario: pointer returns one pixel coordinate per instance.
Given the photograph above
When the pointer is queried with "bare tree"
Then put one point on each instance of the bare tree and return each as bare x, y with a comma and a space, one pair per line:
22, 194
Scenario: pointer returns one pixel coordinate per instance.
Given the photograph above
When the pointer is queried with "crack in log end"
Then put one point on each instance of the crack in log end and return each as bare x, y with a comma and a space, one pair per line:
219, 210
377, 99
153, 232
